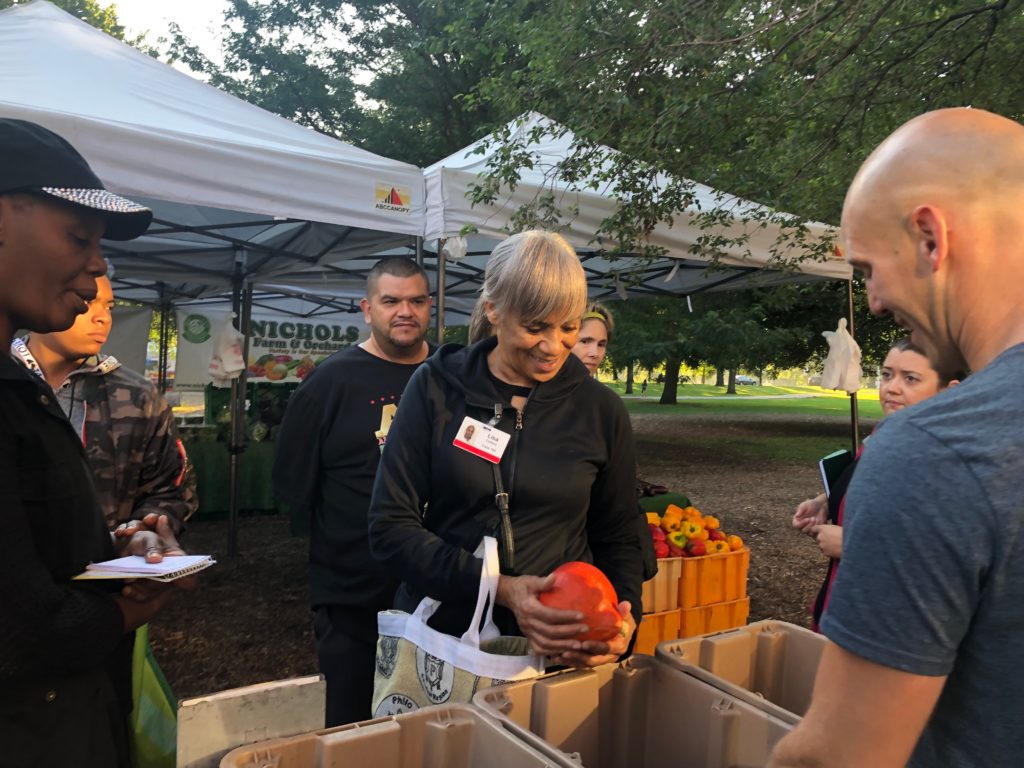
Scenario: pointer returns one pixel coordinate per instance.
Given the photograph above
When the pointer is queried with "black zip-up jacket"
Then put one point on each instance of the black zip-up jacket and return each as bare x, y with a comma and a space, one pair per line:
569, 469
65, 676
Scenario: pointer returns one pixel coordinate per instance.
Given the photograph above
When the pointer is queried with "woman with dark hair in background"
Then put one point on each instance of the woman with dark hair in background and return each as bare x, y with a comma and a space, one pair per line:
907, 378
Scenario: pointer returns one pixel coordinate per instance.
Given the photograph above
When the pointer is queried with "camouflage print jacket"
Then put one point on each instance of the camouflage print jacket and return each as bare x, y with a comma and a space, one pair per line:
139, 464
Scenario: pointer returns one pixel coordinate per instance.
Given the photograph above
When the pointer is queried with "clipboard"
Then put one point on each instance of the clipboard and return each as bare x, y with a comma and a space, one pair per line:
832, 468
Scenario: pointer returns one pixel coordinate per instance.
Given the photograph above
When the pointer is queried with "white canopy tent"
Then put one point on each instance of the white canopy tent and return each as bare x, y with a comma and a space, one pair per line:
752, 247
235, 189
752, 262
241, 197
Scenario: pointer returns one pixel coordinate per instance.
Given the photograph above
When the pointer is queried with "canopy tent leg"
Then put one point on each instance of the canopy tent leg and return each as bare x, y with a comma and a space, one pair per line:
419, 251
241, 305
440, 290
854, 415
163, 339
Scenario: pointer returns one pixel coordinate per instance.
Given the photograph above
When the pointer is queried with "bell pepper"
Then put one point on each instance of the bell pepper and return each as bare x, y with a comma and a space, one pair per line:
678, 539
691, 530
670, 523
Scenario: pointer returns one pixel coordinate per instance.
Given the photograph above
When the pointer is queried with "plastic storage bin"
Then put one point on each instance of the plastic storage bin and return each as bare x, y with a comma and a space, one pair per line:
655, 628
769, 664
713, 618
712, 579
662, 592
446, 736
689, 582
642, 713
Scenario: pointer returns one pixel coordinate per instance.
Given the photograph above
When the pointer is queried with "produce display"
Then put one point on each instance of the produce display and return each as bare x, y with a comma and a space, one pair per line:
685, 532
280, 367
584, 588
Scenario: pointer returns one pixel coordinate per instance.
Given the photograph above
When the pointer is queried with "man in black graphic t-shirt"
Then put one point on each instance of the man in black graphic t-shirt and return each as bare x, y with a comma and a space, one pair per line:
328, 449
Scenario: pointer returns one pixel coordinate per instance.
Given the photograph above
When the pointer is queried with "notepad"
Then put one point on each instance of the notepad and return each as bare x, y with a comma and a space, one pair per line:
832, 468
136, 567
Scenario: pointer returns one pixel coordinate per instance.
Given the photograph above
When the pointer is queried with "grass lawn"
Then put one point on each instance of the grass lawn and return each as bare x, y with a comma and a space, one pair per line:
714, 400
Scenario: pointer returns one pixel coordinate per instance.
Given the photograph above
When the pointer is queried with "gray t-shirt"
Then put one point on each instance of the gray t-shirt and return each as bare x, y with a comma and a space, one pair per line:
932, 575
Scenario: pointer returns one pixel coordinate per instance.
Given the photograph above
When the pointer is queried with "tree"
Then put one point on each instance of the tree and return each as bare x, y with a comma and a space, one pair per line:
89, 11
774, 102
652, 332
278, 56
778, 103
385, 76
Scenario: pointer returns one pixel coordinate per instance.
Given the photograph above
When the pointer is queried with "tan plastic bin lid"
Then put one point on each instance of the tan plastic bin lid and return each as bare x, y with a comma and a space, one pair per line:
769, 664
446, 736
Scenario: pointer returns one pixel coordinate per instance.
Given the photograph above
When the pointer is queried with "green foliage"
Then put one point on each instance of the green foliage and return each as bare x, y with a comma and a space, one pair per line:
385, 76
776, 103
89, 11
456, 334
838, 406
278, 56
754, 330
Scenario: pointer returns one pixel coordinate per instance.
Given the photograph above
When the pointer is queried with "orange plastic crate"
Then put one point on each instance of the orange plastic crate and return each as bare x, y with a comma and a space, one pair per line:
662, 592
655, 628
714, 579
712, 618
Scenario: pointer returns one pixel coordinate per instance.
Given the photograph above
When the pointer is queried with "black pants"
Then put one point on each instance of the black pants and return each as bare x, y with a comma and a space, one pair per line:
346, 645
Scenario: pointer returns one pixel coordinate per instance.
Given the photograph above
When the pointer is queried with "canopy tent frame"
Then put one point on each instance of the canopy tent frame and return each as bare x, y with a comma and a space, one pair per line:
449, 181
222, 176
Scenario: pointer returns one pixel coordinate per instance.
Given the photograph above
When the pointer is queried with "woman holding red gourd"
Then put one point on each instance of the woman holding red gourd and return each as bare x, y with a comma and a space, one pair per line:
561, 449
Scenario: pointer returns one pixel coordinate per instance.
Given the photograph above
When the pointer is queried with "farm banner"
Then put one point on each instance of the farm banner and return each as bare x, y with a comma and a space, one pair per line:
281, 347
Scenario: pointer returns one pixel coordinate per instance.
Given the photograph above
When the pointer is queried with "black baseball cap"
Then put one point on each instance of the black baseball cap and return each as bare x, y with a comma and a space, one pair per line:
36, 160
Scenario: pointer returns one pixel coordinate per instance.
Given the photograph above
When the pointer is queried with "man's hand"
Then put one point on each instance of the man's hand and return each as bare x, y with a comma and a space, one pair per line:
830, 539
810, 513
151, 537
140, 600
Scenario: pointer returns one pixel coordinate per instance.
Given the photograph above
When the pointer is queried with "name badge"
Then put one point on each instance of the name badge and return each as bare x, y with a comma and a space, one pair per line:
481, 439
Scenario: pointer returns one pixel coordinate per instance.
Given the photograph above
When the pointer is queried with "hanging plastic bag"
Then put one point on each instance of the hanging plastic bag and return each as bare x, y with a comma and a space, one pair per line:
154, 719
227, 362
455, 248
842, 366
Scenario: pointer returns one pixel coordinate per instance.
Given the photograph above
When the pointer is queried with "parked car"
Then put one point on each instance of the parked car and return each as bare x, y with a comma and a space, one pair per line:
747, 381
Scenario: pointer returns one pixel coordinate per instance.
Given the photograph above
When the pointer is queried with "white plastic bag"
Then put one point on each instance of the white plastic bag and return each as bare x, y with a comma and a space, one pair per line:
227, 362
842, 366
455, 248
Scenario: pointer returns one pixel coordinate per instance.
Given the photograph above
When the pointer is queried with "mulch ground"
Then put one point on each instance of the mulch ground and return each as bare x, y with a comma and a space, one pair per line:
250, 621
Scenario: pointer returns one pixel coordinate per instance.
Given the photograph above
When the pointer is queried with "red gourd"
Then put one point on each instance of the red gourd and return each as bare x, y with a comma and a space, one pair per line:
584, 588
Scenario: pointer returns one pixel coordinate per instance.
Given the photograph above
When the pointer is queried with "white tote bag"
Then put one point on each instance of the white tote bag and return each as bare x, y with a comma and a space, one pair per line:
418, 666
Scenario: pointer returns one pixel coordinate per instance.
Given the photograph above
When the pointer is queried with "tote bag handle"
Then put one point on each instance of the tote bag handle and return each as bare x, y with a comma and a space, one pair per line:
486, 593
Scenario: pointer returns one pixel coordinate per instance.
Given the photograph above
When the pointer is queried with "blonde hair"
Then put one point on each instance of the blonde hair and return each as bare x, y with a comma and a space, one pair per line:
598, 311
533, 275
